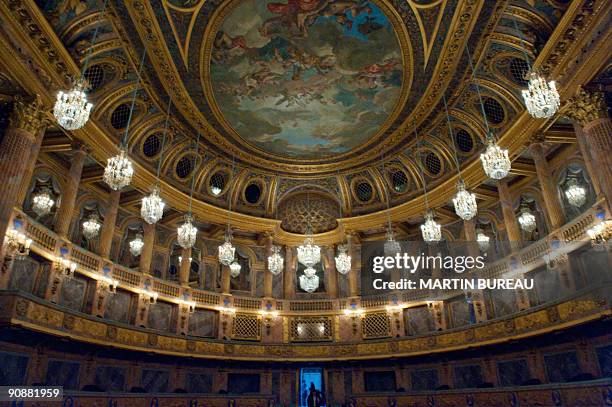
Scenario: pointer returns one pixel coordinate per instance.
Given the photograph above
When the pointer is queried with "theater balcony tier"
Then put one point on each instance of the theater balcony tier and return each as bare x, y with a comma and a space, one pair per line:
152, 315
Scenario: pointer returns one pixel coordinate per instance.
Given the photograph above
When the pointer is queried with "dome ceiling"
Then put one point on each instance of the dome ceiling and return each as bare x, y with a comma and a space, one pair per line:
302, 86
307, 79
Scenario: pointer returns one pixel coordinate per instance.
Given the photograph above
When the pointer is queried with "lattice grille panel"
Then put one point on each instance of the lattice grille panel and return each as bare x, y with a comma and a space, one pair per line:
518, 69
399, 180
120, 116
376, 325
493, 110
217, 182
152, 145
311, 329
432, 163
364, 191
184, 166
246, 327
464, 141
95, 76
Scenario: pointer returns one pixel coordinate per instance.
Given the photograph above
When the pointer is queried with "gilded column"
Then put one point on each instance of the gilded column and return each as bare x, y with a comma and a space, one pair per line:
29, 171
588, 158
549, 191
512, 229
108, 226
226, 279
69, 192
353, 278
15, 153
330, 272
589, 110
146, 255
268, 277
475, 296
289, 274
185, 266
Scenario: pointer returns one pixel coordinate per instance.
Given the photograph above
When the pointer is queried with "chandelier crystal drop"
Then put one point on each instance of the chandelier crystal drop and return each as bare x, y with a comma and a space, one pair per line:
484, 241
119, 171
227, 250
187, 233
343, 260
91, 227
575, 193
309, 283
235, 269
495, 161
541, 98
42, 202
526, 220
136, 245
391, 246
431, 230
309, 254
152, 208
275, 261
465, 202
72, 108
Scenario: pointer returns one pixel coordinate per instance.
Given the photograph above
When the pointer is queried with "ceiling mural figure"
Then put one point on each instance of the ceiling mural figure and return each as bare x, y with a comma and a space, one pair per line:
306, 78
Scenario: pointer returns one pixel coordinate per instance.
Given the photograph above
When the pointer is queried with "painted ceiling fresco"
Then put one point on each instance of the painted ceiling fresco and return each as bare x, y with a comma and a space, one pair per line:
306, 78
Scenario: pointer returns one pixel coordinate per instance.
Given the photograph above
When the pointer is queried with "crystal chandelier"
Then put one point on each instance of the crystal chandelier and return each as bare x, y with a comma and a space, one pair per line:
483, 240
227, 250
309, 283
42, 202
495, 161
465, 202
309, 254
71, 108
17, 244
541, 97
391, 246
343, 260
152, 208
119, 171
187, 233
526, 220
136, 245
575, 193
275, 261
91, 227
235, 269
431, 230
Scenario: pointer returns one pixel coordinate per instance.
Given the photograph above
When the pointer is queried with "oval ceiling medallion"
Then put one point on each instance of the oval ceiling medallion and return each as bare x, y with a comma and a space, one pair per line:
306, 79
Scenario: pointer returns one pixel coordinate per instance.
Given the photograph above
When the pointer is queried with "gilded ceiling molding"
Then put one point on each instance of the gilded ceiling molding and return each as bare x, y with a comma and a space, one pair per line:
474, 123
507, 95
523, 126
92, 52
529, 16
79, 25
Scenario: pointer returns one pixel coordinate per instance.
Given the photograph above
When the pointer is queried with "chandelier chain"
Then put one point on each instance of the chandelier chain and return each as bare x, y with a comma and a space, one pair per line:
93, 41
450, 133
489, 135
163, 146
420, 143
124, 140
193, 172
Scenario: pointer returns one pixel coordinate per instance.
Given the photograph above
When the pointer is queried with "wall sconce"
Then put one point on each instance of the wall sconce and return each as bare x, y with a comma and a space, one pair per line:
600, 234
190, 305
17, 244
111, 284
268, 317
149, 296
65, 267
354, 313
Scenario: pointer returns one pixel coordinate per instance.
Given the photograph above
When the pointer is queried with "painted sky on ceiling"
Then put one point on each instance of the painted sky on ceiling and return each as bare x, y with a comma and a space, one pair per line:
306, 78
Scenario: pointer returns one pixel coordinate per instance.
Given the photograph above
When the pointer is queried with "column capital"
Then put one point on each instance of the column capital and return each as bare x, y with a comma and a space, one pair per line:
28, 114
586, 107
536, 139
